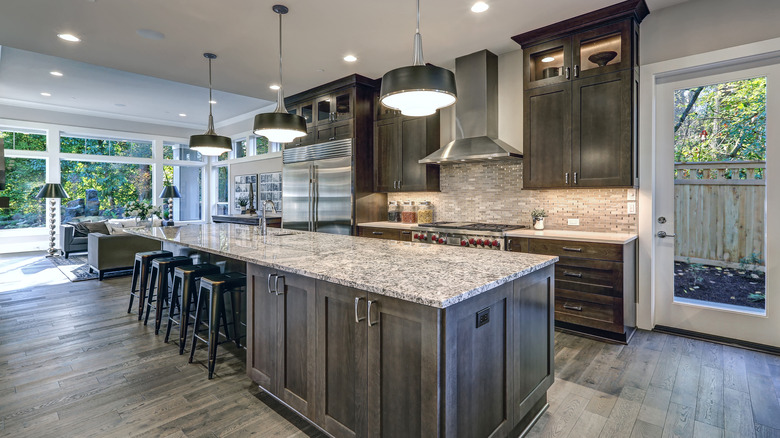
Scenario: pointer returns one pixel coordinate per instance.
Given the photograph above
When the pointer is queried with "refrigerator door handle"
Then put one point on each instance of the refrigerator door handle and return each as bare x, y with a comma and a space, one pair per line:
311, 177
315, 199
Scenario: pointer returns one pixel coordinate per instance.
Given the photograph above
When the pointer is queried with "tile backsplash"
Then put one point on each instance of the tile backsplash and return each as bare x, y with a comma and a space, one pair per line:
490, 192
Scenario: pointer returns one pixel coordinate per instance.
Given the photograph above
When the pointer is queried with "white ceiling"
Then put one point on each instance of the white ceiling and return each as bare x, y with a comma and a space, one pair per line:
243, 33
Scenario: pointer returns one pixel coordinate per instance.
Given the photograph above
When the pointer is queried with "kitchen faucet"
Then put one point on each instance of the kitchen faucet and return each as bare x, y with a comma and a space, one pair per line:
263, 225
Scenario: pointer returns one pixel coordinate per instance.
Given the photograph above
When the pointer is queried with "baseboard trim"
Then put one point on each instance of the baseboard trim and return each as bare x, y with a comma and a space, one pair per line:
762, 348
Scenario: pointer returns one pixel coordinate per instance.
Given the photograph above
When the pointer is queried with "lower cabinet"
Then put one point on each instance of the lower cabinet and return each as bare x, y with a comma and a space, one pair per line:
385, 233
360, 364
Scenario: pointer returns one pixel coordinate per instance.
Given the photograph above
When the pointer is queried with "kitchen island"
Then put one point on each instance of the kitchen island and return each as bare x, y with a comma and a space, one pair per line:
367, 337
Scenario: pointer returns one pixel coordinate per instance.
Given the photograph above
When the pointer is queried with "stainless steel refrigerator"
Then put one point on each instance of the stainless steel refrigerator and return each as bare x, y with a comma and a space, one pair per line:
317, 188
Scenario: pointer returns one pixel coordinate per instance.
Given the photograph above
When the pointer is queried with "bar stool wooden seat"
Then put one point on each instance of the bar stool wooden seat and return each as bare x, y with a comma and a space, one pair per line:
143, 261
213, 288
162, 271
182, 295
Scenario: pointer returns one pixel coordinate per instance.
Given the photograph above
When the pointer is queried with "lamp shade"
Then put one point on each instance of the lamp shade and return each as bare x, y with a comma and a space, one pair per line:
418, 90
280, 127
52, 190
170, 192
211, 145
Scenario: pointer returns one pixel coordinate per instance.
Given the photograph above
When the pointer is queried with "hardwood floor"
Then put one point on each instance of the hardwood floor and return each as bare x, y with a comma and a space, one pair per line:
74, 364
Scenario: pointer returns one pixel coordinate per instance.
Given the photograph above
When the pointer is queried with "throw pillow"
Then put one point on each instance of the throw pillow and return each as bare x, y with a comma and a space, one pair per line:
77, 232
93, 227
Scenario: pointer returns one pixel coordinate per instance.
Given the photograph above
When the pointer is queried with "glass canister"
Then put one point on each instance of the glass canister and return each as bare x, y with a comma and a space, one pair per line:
393, 211
409, 212
425, 212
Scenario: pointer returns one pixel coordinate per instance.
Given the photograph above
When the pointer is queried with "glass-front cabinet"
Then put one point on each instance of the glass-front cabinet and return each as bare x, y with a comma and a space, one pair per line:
548, 63
334, 107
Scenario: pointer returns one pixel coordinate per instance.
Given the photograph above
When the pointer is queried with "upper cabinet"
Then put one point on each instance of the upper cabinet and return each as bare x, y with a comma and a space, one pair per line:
580, 102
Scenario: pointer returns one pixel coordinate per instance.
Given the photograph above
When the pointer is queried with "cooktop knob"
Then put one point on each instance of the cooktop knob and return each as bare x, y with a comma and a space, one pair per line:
480, 242
463, 243
472, 241
434, 237
441, 240
495, 243
488, 243
416, 236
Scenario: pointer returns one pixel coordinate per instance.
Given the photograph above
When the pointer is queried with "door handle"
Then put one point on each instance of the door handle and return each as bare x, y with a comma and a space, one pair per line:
576, 71
570, 307
575, 177
331, 138
368, 313
568, 73
270, 291
567, 177
276, 285
357, 301
572, 274
663, 234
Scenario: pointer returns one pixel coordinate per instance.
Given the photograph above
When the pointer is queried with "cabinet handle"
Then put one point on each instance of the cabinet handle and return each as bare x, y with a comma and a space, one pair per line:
567, 177
358, 318
566, 248
368, 313
575, 177
331, 138
406, 232
270, 291
509, 244
568, 73
576, 71
276, 285
335, 116
400, 183
377, 233
570, 307
572, 274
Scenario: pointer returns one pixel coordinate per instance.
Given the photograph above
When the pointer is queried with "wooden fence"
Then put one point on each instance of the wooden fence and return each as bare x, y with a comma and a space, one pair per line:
720, 211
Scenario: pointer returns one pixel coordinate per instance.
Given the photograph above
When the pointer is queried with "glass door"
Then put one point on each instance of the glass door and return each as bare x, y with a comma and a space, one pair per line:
714, 229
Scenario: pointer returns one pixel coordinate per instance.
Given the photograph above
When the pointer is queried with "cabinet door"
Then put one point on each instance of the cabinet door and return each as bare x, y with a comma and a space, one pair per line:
297, 340
517, 244
418, 139
306, 110
547, 137
262, 329
602, 119
304, 140
547, 64
532, 311
387, 156
606, 49
341, 381
333, 131
343, 105
323, 113
403, 365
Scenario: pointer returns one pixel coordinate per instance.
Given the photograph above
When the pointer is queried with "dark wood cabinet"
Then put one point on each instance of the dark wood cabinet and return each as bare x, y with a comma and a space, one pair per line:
385, 233
595, 284
580, 99
399, 143
283, 332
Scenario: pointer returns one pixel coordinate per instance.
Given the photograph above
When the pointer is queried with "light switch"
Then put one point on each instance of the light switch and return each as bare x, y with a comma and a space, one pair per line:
574, 221
631, 208
631, 195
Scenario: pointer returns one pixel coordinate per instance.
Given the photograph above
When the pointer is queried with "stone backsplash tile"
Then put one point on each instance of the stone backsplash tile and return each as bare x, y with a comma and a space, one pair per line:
490, 192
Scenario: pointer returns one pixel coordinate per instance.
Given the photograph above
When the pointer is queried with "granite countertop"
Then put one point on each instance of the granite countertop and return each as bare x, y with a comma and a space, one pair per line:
268, 215
581, 236
437, 276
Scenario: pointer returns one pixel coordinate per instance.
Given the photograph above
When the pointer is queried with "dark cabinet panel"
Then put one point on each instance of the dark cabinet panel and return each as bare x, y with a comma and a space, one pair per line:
387, 156
517, 244
547, 137
262, 328
399, 143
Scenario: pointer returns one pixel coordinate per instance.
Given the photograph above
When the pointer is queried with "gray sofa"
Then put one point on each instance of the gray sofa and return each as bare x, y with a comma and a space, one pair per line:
69, 242
116, 251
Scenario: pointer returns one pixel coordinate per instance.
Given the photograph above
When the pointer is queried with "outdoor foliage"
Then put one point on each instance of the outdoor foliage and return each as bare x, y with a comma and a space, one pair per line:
23, 142
117, 148
261, 143
24, 178
116, 183
721, 122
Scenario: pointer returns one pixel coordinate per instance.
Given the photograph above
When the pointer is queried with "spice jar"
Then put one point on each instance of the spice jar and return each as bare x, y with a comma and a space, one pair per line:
425, 212
409, 212
393, 211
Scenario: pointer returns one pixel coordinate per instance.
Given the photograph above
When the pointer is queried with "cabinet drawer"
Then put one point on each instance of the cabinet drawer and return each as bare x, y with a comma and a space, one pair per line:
591, 276
596, 311
517, 244
381, 233
406, 235
587, 250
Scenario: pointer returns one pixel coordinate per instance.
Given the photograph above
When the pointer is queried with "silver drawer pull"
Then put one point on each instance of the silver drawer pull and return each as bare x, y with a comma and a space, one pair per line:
377, 233
357, 301
406, 232
572, 274
368, 313
270, 291
276, 285
570, 307
566, 248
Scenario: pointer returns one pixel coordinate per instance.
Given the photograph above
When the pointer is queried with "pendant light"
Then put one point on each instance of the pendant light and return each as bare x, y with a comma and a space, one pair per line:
210, 144
280, 126
419, 89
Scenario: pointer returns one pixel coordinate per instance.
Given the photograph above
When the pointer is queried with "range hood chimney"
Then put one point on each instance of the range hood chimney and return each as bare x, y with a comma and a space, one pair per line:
476, 114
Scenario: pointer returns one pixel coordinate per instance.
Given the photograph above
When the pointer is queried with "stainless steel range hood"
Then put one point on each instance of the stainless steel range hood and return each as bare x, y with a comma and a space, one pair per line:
476, 114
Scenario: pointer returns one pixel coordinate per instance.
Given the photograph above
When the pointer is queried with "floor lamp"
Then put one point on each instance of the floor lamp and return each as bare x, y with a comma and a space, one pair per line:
52, 192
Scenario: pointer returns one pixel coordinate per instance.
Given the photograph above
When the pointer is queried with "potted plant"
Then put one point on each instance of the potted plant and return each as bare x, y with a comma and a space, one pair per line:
538, 216
242, 202
142, 211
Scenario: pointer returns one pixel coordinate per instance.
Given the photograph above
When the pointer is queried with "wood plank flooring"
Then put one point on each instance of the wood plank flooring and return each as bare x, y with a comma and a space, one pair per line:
74, 364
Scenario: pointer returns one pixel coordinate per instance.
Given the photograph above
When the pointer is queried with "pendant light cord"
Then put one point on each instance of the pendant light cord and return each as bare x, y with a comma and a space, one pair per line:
210, 130
418, 52
280, 108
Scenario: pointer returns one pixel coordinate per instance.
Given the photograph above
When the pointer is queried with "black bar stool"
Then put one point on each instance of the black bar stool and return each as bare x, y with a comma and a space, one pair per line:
215, 286
162, 270
143, 261
182, 295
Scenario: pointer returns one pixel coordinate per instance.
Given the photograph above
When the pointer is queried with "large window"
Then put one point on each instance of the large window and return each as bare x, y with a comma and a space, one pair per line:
240, 147
24, 178
100, 190
189, 181
261, 145
176, 151
23, 141
105, 146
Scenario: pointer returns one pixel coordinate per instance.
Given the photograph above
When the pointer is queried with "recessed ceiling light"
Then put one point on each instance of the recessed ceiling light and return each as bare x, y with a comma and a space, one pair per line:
479, 7
548, 59
350, 58
274, 87
213, 102
182, 115
45, 94
150, 34
56, 73
69, 37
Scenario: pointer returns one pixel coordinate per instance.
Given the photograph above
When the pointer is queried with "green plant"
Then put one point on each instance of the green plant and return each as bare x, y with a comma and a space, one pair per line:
538, 212
243, 201
751, 262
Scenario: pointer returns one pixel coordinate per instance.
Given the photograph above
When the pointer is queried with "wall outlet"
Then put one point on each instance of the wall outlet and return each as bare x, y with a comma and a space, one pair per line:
574, 221
483, 317
631, 196
631, 208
